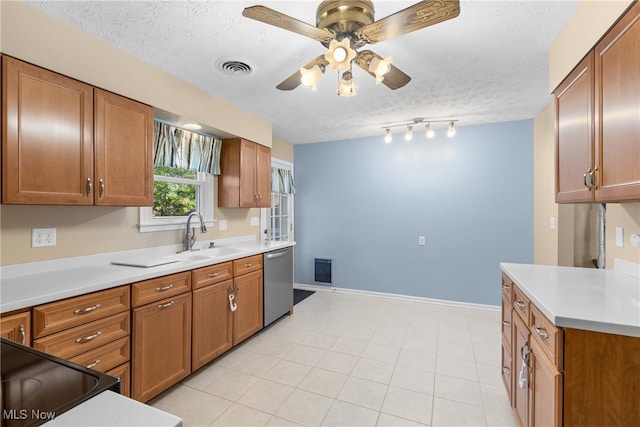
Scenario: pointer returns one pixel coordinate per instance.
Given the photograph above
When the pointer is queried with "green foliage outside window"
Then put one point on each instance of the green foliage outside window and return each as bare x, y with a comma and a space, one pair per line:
173, 199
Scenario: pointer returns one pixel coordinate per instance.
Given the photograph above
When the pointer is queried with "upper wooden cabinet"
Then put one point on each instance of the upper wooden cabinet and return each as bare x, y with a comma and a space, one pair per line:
245, 175
617, 95
597, 120
67, 143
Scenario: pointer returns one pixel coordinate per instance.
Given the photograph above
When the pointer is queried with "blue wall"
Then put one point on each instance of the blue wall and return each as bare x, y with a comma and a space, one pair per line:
363, 204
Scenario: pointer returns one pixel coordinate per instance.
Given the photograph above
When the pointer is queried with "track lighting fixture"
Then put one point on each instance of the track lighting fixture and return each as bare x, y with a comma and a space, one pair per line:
387, 137
428, 131
409, 135
451, 131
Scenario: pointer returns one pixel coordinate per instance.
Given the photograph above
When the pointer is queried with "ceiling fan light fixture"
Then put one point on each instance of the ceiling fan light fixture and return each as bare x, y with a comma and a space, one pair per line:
310, 77
451, 131
346, 86
340, 54
380, 67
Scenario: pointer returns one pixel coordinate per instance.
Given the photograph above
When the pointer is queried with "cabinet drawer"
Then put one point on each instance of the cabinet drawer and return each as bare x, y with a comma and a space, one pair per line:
105, 357
521, 304
123, 373
60, 315
507, 288
246, 265
80, 339
163, 287
507, 317
17, 327
548, 336
209, 275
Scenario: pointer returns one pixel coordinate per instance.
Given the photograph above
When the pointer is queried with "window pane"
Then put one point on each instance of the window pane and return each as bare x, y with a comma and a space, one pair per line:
172, 199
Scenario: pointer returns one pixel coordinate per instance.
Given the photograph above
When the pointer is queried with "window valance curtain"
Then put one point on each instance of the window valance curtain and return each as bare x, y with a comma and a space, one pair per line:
282, 181
179, 148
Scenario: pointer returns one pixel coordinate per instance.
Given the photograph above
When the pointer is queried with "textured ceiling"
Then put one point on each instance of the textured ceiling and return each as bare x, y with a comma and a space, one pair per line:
488, 65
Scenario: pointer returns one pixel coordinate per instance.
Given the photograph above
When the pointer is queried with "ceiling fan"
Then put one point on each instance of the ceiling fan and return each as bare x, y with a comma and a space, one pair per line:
344, 26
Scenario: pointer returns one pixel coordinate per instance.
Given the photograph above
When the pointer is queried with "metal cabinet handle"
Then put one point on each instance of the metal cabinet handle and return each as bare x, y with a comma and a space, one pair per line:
521, 304
89, 338
166, 305
212, 275
89, 187
584, 179
91, 366
101, 188
594, 178
506, 370
541, 331
87, 309
249, 264
506, 286
506, 323
23, 335
164, 288
237, 289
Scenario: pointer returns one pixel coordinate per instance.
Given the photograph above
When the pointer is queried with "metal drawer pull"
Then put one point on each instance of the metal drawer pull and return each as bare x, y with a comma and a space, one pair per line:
540, 331
249, 264
101, 188
164, 288
506, 286
521, 304
93, 364
89, 338
89, 187
166, 305
212, 275
584, 179
23, 335
506, 370
87, 310
506, 323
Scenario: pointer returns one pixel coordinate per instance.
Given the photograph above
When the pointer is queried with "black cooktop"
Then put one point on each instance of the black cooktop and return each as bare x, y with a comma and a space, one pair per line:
37, 387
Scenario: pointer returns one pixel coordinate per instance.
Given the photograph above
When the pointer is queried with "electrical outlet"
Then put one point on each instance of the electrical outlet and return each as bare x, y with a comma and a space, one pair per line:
255, 221
635, 240
222, 224
43, 237
422, 240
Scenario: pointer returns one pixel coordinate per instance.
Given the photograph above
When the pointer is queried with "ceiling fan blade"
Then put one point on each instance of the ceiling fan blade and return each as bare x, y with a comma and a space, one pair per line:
295, 79
413, 18
278, 19
394, 79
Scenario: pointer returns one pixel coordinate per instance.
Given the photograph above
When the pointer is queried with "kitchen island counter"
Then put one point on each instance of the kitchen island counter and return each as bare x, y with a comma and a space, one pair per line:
583, 298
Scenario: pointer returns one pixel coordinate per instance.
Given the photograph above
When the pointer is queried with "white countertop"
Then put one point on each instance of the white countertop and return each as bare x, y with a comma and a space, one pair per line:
31, 284
583, 298
109, 409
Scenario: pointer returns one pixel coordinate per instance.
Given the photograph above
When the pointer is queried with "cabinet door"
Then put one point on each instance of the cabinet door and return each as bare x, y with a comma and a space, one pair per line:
574, 134
161, 352
520, 390
263, 176
545, 405
123, 151
212, 323
248, 318
17, 327
248, 174
617, 70
47, 137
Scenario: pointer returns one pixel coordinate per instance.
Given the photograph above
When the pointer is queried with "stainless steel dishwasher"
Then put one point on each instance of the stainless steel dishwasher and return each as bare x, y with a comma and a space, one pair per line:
278, 284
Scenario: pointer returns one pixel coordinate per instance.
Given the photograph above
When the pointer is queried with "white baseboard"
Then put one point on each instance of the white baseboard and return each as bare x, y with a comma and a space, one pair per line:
459, 304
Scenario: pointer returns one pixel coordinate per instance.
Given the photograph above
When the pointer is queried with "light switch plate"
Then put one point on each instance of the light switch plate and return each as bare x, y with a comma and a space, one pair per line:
422, 240
619, 237
255, 221
43, 237
552, 223
634, 239
222, 224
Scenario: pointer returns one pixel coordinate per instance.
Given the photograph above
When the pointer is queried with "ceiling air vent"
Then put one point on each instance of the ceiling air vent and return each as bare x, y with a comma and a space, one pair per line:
234, 66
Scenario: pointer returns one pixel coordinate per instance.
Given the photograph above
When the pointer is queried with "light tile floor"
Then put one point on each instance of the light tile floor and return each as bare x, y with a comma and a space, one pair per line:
354, 360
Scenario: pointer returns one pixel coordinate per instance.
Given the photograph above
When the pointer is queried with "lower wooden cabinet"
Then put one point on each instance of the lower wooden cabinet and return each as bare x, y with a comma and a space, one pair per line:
520, 382
161, 348
248, 318
17, 327
545, 399
212, 322
123, 373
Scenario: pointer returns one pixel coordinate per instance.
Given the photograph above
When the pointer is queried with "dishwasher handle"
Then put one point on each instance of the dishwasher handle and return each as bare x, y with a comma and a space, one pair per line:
277, 254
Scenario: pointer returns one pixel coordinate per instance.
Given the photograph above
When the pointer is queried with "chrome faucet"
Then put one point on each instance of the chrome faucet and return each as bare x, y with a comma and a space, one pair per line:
190, 237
